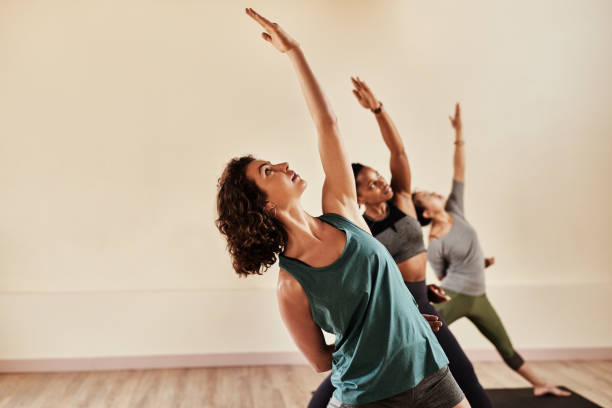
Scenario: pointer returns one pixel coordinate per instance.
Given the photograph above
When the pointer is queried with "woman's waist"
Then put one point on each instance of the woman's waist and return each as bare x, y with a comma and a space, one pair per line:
413, 269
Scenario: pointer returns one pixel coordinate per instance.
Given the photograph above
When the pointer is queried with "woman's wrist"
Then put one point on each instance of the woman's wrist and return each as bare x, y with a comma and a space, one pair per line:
294, 51
459, 137
377, 110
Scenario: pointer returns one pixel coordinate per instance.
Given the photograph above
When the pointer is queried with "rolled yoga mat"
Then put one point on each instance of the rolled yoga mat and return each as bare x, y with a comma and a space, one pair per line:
523, 398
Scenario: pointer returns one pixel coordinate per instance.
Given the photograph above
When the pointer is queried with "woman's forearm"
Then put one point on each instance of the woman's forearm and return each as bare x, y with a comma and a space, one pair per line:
389, 133
459, 157
320, 109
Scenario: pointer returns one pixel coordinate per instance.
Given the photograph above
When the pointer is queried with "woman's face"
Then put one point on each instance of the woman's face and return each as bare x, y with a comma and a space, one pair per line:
281, 185
433, 202
372, 188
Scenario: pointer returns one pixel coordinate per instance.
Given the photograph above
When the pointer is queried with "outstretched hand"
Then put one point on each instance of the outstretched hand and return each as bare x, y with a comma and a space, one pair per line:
273, 33
364, 95
456, 120
433, 321
547, 389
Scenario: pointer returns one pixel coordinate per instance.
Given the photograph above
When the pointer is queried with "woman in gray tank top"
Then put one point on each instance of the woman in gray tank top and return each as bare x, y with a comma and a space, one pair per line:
334, 275
457, 258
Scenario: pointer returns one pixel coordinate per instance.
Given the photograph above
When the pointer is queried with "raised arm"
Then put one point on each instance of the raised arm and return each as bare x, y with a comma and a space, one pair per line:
459, 156
339, 194
400, 168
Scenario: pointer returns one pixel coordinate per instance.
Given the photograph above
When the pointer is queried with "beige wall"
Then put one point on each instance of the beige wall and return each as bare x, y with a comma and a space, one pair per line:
118, 117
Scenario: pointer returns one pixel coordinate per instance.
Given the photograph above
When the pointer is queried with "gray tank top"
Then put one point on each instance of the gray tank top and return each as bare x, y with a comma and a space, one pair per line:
400, 233
457, 256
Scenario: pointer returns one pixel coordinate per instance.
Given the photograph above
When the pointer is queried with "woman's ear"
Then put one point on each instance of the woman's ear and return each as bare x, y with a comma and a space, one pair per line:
270, 207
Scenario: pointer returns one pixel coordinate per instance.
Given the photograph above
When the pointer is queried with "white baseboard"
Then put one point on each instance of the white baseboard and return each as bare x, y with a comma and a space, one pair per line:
255, 359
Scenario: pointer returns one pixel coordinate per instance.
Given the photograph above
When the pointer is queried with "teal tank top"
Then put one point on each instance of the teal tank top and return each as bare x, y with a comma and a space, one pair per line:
384, 346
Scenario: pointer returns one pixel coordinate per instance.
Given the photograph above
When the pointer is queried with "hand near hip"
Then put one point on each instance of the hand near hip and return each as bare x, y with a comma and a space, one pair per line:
435, 294
433, 321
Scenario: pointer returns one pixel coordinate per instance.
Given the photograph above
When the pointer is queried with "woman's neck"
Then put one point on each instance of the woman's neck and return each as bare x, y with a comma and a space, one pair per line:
302, 229
441, 219
377, 211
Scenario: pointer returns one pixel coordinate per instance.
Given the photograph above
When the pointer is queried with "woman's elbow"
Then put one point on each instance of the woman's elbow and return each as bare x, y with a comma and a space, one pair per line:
327, 123
321, 364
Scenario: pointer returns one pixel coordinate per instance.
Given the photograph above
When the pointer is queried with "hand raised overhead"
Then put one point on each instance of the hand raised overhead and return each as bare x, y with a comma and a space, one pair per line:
273, 34
364, 95
456, 121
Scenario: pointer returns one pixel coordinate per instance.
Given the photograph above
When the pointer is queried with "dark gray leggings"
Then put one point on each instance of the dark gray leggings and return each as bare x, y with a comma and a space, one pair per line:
438, 390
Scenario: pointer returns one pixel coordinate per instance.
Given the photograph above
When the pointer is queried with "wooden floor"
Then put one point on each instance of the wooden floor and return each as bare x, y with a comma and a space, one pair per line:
266, 386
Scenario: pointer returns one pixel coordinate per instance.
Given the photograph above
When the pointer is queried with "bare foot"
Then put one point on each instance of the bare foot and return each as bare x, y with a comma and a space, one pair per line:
547, 389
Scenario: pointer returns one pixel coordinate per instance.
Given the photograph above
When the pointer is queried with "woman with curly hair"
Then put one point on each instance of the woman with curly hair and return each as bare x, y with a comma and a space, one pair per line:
456, 257
334, 275
392, 218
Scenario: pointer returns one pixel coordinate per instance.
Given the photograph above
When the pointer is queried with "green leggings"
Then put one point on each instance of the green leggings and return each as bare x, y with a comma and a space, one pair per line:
480, 312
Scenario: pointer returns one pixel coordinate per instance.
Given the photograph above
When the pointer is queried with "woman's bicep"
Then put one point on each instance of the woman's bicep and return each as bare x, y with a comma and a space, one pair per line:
400, 173
339, 180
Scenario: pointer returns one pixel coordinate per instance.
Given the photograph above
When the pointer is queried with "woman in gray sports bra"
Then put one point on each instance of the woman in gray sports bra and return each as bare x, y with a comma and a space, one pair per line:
391, 216
455, 254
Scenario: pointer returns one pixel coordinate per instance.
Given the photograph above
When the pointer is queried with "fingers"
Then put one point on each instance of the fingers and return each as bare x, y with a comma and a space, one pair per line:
562, 393
361, 85
265, 23
365, 86
437, 288
550, 390
433, 321
357, 95
266, 37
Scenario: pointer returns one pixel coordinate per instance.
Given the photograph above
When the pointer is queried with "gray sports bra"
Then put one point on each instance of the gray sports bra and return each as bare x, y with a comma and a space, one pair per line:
400, 233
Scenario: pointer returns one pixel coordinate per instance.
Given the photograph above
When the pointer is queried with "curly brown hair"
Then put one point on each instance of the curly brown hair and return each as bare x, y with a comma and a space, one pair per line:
254, 237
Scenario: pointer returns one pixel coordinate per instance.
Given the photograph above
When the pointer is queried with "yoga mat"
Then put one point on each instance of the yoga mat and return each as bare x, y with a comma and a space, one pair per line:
523, 398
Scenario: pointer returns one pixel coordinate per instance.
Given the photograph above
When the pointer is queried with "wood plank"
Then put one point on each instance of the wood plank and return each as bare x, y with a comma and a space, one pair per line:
258, 387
